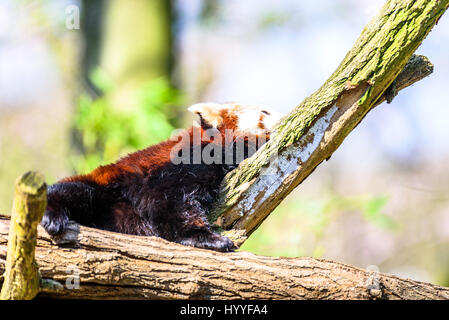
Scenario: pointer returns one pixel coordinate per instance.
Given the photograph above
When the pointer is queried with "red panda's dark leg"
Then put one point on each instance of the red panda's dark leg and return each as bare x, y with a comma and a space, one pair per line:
68, 201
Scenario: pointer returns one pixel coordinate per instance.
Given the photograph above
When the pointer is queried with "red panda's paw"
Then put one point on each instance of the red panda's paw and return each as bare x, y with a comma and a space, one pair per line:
54, 223
211, 241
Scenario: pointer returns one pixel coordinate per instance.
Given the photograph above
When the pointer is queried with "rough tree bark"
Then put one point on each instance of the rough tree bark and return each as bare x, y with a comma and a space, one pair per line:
121, 266
315, 128
21, 279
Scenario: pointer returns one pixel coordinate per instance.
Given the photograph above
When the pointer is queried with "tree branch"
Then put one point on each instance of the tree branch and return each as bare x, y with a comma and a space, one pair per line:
315, 129
118, 266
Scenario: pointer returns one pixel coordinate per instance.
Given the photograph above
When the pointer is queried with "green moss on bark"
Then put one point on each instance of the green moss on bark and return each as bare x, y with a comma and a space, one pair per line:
378, 56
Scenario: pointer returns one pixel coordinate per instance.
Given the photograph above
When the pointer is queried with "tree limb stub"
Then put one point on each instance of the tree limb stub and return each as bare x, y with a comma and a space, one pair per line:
315, 129
119, 266
21, 278
416, 69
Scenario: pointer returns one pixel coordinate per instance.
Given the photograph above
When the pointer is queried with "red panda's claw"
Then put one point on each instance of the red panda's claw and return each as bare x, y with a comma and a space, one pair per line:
54, 224
224, 245
213, 241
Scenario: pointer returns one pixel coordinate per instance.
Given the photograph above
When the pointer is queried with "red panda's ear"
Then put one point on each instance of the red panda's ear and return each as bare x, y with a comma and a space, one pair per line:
209, 114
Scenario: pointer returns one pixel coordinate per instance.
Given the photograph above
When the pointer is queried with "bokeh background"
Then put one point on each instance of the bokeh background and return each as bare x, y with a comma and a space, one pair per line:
73, 98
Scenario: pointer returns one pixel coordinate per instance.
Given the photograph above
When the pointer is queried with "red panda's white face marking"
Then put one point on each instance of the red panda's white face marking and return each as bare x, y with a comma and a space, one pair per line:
228, 133
244, 118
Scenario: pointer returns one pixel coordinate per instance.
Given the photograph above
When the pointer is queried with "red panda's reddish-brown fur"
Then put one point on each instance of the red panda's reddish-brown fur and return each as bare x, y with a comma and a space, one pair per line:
145, 193
139, 162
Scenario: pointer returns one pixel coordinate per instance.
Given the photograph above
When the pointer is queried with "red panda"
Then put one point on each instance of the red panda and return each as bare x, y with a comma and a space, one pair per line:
165, 190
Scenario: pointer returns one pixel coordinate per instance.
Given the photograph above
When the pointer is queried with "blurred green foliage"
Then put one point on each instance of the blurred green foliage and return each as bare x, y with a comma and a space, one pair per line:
297, 226
107, 133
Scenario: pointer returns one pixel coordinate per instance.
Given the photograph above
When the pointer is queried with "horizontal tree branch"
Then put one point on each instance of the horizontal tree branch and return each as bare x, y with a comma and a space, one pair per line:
315, 129
118, 266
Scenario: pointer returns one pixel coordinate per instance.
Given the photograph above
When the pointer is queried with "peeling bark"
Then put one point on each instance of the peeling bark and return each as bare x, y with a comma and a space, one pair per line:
315, 129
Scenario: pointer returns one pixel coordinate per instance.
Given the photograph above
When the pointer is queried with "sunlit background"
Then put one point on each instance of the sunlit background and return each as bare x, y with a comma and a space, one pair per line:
71, 99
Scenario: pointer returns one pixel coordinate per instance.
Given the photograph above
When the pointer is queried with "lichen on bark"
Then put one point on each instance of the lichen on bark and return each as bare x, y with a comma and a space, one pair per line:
21, 278
367, 71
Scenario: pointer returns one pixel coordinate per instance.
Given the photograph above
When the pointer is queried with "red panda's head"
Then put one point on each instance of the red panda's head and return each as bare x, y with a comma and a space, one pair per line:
227, 133
243, 119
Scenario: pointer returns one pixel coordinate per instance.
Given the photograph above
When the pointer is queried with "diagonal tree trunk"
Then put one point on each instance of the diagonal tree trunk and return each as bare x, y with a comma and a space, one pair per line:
110, 265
